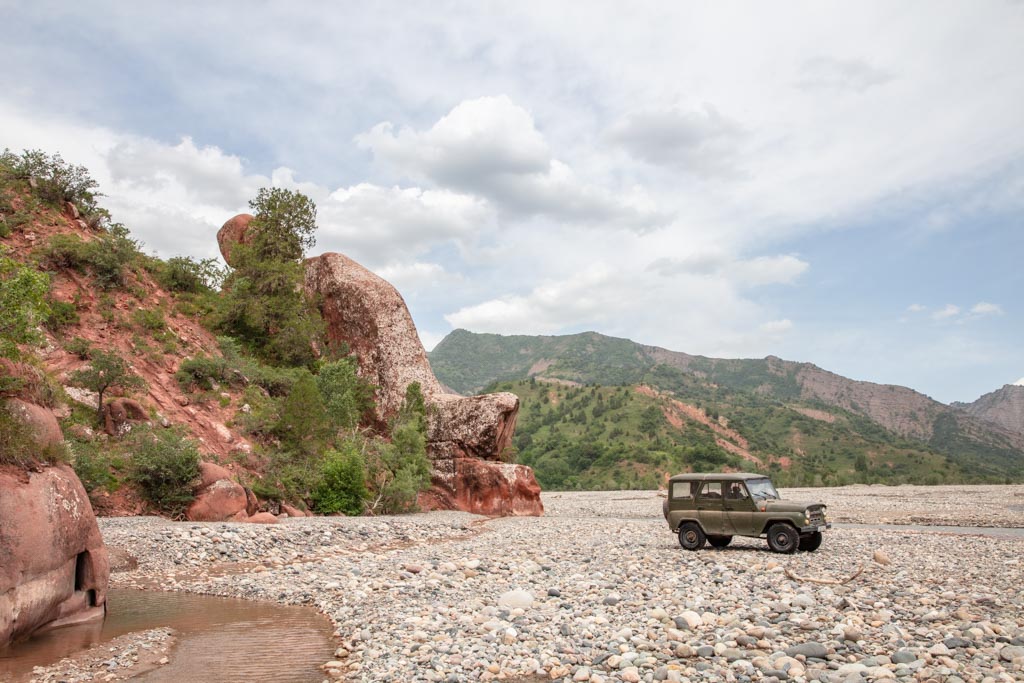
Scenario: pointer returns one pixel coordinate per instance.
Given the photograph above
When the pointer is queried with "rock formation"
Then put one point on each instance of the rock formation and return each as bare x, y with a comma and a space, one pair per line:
42, 422
466, 437
120, 413
231, 233
53, 565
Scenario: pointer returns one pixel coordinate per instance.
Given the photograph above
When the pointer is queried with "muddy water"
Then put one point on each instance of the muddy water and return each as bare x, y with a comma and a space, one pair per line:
219, 639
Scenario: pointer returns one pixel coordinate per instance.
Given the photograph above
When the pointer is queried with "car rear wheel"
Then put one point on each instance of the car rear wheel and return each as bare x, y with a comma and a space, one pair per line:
810, 542
691, 536
719, 541
782, 538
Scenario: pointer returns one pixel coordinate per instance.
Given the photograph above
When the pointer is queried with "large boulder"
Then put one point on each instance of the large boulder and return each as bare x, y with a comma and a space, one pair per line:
120, 413
41, 421
218, 497
53, 565
367, 313
235, 231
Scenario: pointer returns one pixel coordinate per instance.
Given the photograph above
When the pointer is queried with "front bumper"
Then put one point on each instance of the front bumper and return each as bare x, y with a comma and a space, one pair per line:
815, 527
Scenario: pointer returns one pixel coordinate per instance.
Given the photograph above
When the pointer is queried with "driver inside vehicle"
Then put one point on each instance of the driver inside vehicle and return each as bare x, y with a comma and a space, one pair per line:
736, 492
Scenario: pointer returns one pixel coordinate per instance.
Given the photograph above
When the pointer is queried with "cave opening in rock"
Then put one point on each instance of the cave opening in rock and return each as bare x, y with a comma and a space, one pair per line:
81, 567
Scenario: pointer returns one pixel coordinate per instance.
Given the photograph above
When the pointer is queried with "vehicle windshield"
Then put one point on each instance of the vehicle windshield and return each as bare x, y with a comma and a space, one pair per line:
762, 488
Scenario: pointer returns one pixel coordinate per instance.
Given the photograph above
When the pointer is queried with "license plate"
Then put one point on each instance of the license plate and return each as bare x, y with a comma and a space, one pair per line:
822, 527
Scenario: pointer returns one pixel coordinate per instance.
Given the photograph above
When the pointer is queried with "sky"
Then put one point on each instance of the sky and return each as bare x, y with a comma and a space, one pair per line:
832, 182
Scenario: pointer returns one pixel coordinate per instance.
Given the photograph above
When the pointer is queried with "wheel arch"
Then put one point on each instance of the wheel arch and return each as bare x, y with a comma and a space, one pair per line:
778, 520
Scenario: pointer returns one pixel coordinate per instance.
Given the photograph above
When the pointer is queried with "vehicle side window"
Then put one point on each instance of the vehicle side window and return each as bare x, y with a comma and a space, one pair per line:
683, 490
712, 489
736, 491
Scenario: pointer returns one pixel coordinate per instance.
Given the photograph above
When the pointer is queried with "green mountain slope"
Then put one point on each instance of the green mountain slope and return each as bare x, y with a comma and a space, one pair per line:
815, 426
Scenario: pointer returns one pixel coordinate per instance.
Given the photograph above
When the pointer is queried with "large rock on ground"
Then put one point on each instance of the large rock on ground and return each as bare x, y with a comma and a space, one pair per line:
368, 314
483, 487
53, 565
218, 498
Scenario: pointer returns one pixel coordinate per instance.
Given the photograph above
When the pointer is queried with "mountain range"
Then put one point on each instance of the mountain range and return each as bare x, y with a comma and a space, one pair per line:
802, 421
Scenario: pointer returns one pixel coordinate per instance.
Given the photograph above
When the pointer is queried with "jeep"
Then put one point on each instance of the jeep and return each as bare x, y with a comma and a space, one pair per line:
712, 508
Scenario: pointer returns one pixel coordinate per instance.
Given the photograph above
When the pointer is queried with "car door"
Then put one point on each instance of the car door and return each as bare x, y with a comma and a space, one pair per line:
709, 508
739, 509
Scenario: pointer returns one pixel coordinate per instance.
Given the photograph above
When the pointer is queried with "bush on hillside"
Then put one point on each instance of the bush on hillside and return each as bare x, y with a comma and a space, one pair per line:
22, 305
184, 274
106, 257
53, 179
165, 467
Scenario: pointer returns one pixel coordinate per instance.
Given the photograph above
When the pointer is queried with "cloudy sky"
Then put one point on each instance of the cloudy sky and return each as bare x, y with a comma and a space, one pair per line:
840, 183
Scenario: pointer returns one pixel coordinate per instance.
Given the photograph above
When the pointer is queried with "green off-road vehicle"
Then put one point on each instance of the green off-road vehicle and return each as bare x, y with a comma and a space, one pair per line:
715, 507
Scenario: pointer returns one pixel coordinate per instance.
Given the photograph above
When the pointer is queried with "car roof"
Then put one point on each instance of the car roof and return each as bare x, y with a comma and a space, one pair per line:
718, 476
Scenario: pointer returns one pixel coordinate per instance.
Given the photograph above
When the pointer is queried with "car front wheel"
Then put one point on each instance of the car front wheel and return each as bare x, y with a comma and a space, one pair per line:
691, 536
811, 542
782, 538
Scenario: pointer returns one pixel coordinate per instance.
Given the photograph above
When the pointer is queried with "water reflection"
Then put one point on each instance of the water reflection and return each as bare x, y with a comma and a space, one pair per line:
219, 639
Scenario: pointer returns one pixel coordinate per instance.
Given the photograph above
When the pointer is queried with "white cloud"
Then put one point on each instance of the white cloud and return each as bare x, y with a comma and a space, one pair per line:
985, 308
1019, 383
916, 308
946, 312
410, 278
829, 73
491, 147
699, 141
756, 272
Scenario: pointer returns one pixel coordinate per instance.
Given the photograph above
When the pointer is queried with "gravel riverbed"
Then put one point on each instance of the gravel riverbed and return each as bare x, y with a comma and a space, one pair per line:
599, 590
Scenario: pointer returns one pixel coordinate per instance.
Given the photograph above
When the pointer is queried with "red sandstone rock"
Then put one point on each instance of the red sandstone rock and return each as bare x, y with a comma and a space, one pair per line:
224, 500
53, 565
486, 488
120, 413
42, 421
252, 503
292, 511
262, 518
369, 315
210, 473
231, 233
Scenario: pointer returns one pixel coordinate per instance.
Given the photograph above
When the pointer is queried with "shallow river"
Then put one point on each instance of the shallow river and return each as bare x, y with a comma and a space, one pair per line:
219, 639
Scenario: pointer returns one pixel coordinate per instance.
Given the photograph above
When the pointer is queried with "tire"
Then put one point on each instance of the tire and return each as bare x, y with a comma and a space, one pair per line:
782, 538
691, 536
810, 542
719, 541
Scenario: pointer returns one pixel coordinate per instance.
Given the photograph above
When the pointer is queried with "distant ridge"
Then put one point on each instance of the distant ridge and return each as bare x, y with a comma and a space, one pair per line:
972, 439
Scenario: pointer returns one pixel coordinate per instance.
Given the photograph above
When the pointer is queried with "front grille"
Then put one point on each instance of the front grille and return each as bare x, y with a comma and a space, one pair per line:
817, 516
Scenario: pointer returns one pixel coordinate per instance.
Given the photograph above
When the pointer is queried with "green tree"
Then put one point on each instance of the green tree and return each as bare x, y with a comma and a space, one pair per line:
303, 423
264, 305
346, 395
401, 469
107, 370
342, 485
22, 305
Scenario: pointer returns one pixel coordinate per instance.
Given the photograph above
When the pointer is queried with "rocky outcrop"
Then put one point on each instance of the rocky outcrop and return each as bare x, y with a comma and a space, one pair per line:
42, 422
53, 565
1004, 407
120, 413
231, 233
466, 437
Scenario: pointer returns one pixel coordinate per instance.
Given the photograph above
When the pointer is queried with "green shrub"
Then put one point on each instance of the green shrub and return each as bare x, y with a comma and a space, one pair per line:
347, 397
66, 251
165, 466
342, 486
22, 304
18, 445
303, 424
56, 181
148, 319
183, 274
201, 372
80, 347
94, 466
62, 314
